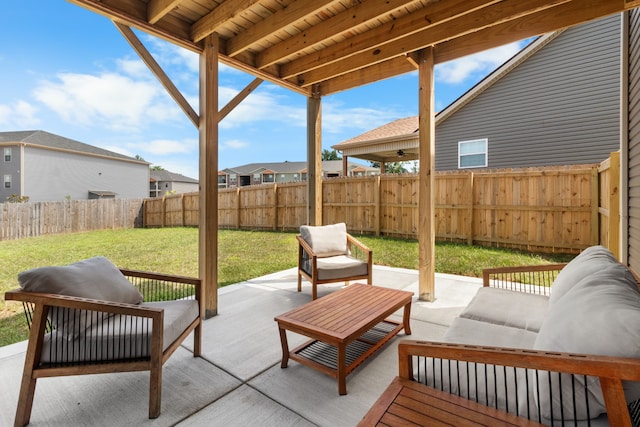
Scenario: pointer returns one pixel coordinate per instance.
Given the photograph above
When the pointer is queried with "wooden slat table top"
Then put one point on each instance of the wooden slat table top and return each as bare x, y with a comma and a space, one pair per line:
346, 313
408, 403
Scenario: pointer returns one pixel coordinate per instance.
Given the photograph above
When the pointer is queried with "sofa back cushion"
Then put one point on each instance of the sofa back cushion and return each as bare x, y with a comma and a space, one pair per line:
589, 261
599, 315
326, 240
95, 278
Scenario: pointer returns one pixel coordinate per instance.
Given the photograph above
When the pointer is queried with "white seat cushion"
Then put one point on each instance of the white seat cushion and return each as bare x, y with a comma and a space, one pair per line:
111, 337
508, 308
338, 267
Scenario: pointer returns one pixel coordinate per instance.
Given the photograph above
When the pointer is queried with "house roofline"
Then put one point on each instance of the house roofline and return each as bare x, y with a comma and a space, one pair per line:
82, 153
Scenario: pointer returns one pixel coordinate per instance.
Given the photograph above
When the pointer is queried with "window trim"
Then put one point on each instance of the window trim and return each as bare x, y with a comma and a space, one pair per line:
7, 179
10, 154
485, 152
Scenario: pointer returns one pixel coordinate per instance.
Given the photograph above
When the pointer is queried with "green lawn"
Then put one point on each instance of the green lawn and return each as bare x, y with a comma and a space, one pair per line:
241, 255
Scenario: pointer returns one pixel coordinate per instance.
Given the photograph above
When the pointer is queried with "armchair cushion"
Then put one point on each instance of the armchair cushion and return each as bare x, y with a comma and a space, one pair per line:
339, 267
326, 240
121, 336
95, 278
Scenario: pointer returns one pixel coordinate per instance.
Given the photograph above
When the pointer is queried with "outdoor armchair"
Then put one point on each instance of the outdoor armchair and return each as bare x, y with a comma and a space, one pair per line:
91, 317
328, 254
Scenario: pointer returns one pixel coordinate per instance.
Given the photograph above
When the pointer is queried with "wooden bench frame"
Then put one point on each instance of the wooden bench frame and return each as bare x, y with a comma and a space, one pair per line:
37, 306
611, 371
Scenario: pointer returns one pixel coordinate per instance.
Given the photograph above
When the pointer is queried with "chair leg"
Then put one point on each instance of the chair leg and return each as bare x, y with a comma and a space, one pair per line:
299, 281
314, 290
31, 362
155, 391
197, 340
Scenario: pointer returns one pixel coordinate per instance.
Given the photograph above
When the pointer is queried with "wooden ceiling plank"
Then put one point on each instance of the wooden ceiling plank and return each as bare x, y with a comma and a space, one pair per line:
366, 11
294, 12
155, 68
135, 15
562, 16
430, 15
492, 15
374, 73
209, 23
157, 9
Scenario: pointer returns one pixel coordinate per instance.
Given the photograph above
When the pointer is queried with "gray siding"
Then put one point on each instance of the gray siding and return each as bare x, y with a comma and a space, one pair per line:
54, 175
560, 106
10, 168
634, 140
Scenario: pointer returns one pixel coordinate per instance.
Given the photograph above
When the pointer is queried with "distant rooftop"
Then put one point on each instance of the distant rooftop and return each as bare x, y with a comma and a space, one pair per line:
49, 140
165, 175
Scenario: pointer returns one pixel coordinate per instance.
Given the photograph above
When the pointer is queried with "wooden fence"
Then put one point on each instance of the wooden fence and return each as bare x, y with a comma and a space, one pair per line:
562, 209
20, 220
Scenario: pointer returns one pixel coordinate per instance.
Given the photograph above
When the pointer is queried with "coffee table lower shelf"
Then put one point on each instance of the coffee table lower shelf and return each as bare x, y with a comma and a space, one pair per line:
324, 357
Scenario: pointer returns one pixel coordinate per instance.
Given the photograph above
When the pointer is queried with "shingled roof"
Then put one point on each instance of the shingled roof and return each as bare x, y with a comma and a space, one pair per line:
48, 140
165, 175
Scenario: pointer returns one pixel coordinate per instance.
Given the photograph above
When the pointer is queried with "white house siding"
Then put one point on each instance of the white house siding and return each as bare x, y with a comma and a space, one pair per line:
634, 140
560, 106
55, 175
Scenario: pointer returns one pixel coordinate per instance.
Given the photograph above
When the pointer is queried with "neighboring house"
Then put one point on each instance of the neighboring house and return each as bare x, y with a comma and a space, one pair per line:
48, 167
163, 182
557, 102
265, 173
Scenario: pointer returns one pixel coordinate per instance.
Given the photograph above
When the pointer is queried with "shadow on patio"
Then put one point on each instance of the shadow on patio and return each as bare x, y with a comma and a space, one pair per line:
238, 381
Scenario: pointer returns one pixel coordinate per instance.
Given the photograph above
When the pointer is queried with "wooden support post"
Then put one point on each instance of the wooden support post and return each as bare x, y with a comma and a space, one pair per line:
378, 209
595, 206
314, 159
426, 201
471, 213
208, 130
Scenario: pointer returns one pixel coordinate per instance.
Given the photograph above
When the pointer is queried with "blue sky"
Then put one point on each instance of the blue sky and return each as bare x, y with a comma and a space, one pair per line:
69, 71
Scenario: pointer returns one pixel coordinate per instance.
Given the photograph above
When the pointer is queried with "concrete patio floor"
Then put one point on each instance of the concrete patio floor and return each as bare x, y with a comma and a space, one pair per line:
238, 380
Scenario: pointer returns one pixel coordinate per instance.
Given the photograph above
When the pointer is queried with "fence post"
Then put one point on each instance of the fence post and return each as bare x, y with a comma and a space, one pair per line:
376, 202
238, 208
163, 211
471, 210
614, 204
595, 206
275, 206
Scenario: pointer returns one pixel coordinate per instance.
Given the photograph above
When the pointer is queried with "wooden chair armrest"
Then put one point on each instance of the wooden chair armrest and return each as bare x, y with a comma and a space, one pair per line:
622, 368
160, 276
305, 247
528, 278
610, 370
353, 241
54, 300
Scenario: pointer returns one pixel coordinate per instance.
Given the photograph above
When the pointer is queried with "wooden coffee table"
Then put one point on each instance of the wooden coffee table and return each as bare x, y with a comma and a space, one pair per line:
345, 327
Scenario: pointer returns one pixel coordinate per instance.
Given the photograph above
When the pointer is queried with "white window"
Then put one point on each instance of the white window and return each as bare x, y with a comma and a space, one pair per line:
7, 181
7, 154
472, 154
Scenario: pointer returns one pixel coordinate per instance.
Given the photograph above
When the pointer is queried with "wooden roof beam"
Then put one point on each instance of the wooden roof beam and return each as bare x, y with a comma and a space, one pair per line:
482, 18
374, 73
433, 14
155, 68
294, 12
364, 12
566, 15
157, 9
135, 15
239, 98
214, 19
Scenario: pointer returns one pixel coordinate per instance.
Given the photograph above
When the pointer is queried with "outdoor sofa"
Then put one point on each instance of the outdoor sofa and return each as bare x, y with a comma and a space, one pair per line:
565, 354
90, 317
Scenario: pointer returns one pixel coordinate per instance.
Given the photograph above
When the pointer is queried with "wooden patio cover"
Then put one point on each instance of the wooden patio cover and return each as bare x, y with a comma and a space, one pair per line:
320, 47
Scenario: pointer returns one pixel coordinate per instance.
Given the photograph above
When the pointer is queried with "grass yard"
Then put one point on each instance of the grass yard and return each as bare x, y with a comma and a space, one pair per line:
242, 255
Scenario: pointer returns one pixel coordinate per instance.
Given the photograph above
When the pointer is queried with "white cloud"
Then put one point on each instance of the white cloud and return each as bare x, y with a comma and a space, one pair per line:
20, 114
110, 100
233, 144
264, 105
457, 71
336, 118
